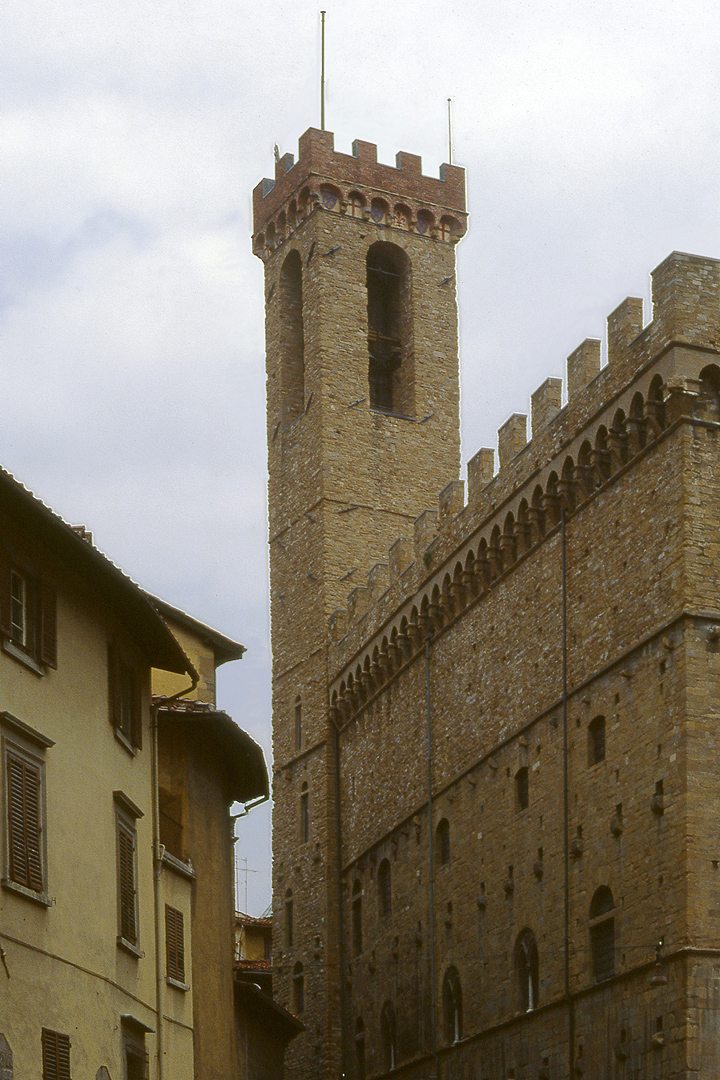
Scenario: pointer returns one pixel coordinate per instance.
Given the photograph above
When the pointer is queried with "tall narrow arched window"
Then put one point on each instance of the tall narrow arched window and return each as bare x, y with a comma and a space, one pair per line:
596, 740
298, 723
390, 368
602, 934
292, 340
357, 918
304, 814
384, 881
442, 842
526, 968
360, 1048
522, 789
388, 1034
298, 989
289, 917
452, 1006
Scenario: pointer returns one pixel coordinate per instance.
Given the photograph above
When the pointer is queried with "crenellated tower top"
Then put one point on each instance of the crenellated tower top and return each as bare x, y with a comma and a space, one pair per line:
358, 185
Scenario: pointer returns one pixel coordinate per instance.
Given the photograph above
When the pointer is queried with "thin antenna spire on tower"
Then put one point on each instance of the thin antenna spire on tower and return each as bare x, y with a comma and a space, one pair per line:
322, 70
449, 133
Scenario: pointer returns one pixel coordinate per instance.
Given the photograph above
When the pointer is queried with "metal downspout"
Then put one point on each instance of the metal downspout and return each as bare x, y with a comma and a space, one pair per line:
431, 861
157, 857
341, 935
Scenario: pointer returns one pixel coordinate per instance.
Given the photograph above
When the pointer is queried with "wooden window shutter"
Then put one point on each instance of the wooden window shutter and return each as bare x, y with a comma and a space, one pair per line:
113, 687
126, 869
48, 625
24, 823
175, 943
4, 591
56, 1055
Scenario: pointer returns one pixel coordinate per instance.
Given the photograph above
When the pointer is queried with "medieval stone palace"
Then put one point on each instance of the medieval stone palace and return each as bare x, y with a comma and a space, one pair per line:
497, 771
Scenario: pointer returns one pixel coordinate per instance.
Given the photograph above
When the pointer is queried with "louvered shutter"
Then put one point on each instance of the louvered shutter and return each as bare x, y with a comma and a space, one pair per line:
175, 943
24, 823
136, 715
4, 591
56, 1055
126, 857
113, 688
48, 625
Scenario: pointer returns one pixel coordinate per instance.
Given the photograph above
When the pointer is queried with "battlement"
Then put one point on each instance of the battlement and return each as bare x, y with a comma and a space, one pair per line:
358, 180
655, 377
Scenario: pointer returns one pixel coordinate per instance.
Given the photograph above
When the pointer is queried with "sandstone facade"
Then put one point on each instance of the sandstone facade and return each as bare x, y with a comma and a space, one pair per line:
494, 721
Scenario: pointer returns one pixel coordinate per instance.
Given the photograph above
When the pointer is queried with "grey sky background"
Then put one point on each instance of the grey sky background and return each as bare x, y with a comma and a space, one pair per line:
131, 308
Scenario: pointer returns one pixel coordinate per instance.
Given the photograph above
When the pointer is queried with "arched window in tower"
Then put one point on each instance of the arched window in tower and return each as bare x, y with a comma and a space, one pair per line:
384, 882
298, 723
452, 1006
298, 989
304, 814
388, 1034
442, 842
602, 934
289, 914
360, 1048
357, 919
596, 740
526, 968
292, 341
390, 374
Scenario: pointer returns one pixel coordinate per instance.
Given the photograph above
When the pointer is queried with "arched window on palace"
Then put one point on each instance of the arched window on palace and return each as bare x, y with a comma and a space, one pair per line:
452, 1006
360, 1048
298, 723
289, 918
304, 813
292, 341
442, 842
384, 883
596, 740
390, 374
357, 918
298, 989
526, 968
388, 1034
602, 934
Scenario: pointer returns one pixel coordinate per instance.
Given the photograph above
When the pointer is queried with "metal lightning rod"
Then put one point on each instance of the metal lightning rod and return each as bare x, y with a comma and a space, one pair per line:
322, 70
449, 133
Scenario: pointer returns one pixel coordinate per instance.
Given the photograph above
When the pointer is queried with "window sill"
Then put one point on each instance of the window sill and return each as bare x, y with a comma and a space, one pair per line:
24, 658
125, 742
128, 946
177, 984
178, 866
40, 898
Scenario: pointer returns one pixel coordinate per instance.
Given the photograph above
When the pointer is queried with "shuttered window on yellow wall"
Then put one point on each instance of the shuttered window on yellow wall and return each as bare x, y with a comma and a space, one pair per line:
175, 943
126, 883
24, 824
56, 1055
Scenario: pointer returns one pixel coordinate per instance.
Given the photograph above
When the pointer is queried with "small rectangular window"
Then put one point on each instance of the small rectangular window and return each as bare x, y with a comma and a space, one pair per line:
55, 1055
175, 943
135, 1058
124, 698
126, 815
28, 618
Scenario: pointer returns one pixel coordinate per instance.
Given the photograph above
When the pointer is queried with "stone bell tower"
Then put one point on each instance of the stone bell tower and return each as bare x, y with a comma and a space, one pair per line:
363, 431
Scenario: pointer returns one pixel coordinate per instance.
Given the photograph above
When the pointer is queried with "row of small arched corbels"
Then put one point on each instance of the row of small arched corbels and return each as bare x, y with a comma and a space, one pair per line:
489, 557
355, 204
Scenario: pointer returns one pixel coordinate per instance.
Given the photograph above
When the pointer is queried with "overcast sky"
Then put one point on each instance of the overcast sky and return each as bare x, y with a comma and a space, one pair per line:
131, 308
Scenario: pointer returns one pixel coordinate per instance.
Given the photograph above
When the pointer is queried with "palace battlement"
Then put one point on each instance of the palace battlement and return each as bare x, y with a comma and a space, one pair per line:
655, 377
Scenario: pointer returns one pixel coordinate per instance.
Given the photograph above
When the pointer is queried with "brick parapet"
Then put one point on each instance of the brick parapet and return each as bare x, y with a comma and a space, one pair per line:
318, 162
683, 337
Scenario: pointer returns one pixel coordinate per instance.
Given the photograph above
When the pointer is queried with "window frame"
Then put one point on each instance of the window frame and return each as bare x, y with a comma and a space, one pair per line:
304, 813
133, 1046
176, 973
57, 1069
126, 817
20, 742
125, 698
597, 744
38, 607
384, 885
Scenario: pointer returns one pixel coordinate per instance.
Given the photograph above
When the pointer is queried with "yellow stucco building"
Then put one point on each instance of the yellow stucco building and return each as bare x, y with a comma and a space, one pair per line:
116, 856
